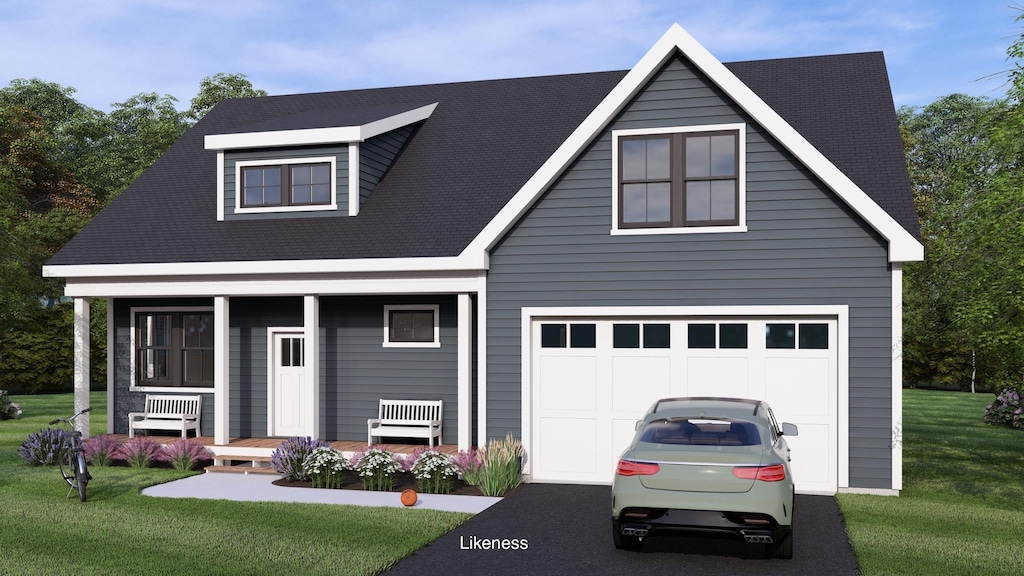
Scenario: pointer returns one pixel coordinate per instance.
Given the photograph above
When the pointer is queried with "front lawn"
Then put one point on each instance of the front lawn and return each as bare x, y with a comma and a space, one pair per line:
120, 531
962, 507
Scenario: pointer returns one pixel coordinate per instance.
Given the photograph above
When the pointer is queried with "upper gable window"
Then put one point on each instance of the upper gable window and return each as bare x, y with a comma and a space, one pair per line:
285, 185
679, 180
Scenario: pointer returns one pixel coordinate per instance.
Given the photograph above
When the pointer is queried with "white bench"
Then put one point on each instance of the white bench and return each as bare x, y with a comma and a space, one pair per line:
168, 412
406, 419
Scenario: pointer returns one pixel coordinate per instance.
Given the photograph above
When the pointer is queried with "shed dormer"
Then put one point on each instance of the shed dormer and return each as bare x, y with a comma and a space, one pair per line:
323, 162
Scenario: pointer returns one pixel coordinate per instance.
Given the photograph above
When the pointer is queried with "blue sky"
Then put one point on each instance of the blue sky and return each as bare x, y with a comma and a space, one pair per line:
111, 50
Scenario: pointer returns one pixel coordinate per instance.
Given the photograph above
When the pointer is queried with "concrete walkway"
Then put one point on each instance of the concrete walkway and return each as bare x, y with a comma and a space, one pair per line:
260, 488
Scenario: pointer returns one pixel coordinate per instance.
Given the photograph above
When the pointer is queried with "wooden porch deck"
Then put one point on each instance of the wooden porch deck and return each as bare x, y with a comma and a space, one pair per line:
264, 446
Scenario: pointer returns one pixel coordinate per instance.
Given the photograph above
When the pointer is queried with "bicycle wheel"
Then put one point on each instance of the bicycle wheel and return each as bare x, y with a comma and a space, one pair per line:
68, 462
83, 476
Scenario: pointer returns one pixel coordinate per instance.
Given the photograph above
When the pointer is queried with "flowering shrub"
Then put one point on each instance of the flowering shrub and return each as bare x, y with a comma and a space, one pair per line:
139, 452
407, 461
470, 465
325, 468
8, 410
43, 448
377, 469
1006, 410
287, 460
434, 472
185, 454
100, 450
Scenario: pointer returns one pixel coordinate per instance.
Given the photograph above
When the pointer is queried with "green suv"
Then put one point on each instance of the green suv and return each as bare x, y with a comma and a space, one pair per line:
705, 467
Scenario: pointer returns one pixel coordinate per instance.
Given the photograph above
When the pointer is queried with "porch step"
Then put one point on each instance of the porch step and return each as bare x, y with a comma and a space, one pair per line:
240, 469
253, 461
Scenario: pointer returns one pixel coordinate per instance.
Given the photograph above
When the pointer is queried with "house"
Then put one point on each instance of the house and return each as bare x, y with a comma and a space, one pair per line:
546, 255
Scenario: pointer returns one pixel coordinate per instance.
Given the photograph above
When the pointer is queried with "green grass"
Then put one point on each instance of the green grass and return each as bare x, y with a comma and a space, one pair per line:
120, 531
961, 510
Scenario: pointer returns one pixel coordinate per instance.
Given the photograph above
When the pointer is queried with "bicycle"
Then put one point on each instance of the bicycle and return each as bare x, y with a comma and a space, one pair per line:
73, 467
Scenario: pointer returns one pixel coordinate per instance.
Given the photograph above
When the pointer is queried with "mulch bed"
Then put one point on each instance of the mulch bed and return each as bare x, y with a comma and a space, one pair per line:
403, 481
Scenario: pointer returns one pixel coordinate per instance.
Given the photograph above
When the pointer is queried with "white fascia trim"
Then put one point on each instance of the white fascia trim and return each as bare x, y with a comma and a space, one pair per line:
741, 183
903, 247
310, 136
239, 209
481, 360
258, 267
275, 286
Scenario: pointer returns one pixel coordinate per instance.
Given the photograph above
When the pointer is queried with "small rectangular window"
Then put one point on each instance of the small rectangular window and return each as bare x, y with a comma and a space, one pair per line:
552, 336
657, 336
700, 336
626, 336
732, 336
174, 349
412, 326
814, 336
583, 335
284, 184
780, 336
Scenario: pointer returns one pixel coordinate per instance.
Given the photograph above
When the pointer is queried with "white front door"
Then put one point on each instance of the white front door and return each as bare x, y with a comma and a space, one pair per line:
287, 385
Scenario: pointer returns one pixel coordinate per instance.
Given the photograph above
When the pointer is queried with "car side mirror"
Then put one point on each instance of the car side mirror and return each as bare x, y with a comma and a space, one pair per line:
638, 424
790, 429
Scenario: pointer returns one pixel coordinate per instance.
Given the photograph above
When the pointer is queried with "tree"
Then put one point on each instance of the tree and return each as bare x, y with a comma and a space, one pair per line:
220, 86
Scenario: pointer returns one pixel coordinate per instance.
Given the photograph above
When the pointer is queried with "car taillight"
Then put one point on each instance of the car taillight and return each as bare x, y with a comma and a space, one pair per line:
631, 468
775, 473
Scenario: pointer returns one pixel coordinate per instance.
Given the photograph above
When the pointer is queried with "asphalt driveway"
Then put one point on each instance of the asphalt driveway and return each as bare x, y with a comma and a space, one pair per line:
566, 529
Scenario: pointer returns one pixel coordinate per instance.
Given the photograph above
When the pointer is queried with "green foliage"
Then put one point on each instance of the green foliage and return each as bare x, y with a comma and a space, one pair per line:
60, 163
220, 86
502, 466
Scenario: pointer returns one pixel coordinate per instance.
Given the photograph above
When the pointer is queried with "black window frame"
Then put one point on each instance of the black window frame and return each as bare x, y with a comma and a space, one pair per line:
176, 349
420, 335
678, 180
286, 186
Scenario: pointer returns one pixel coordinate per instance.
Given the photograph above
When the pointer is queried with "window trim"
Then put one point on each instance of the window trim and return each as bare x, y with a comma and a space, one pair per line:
284, 163
434, 308
134, 386
741, 177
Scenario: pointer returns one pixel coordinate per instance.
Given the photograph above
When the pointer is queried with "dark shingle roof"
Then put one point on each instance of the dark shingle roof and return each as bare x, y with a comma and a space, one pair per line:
481, 144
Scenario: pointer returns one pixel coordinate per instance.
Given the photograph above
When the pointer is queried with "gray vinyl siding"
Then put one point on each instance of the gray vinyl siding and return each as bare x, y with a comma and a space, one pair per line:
249, 319
376, 156
125, 399
803, 246
340, 153
357, 371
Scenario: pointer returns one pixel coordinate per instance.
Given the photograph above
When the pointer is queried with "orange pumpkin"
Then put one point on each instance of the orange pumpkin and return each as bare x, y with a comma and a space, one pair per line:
409, 497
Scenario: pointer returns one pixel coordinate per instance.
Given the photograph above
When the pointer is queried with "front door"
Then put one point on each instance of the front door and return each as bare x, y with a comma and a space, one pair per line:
287, 385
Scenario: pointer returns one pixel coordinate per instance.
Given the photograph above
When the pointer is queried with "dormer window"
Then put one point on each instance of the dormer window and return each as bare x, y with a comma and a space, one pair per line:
303, 184
292, 184
679, 180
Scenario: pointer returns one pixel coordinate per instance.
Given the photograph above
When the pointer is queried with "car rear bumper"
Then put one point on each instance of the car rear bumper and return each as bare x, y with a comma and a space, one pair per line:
751, 527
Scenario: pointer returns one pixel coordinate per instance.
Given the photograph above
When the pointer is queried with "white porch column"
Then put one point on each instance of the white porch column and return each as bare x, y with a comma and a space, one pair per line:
111, 346
465, 371
481, 363
82, 364
221, 370
311, 360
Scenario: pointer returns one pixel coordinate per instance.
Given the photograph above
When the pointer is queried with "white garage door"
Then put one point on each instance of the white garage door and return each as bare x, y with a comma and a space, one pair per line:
592, 379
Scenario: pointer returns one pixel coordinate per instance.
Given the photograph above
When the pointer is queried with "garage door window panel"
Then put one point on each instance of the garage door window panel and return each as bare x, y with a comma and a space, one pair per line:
814, 336
780, 336
552, 336
583, 335
701, 336
626, 336
732, 336
657, 336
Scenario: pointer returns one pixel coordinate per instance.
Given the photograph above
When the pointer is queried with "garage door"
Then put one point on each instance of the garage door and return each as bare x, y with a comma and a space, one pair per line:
592, 379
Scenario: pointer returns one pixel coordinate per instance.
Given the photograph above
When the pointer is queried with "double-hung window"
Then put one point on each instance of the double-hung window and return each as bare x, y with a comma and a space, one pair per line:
173, 348
680, 179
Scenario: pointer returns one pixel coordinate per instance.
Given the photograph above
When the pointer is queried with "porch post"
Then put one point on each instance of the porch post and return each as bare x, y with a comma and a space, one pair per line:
82, 364
221, 370
311, 360
465, 369
111, 346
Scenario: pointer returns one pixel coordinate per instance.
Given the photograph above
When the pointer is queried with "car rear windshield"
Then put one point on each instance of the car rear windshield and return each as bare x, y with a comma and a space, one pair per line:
701, 432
